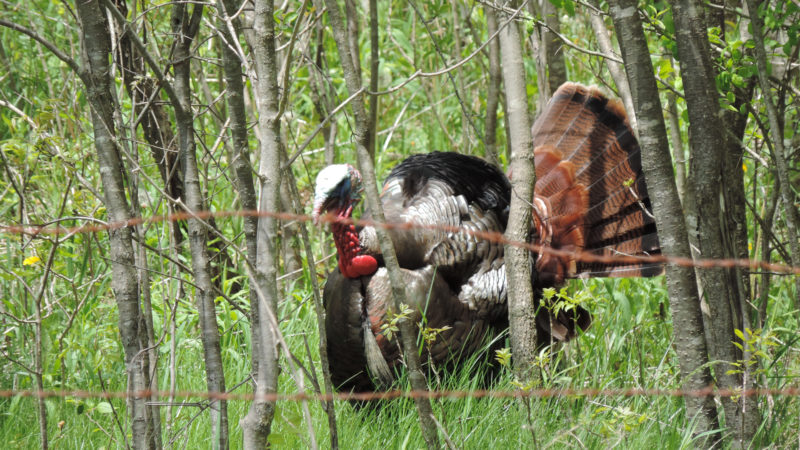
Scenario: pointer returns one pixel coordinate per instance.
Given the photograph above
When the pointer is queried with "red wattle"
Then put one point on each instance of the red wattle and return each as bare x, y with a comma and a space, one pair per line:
364, 265
351, 263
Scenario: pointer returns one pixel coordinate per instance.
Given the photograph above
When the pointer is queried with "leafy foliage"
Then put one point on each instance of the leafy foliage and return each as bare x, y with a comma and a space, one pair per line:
50, 176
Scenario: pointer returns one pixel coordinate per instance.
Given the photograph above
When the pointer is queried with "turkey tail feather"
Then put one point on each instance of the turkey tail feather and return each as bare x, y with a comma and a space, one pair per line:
379, 370
590, 189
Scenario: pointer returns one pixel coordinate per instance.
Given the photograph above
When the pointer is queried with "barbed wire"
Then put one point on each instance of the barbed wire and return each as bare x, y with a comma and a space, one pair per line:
492, 236
708, 391
584, 256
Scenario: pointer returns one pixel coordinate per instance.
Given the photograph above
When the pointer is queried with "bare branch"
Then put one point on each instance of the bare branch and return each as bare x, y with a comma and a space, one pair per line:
47, 44
157, 71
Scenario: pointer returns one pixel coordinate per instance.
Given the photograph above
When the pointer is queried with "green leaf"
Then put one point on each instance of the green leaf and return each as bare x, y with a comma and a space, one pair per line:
569, 6
624, 305
104, 408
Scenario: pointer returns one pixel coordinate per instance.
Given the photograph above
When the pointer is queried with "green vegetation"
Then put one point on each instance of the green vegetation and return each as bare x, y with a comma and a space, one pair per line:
55, 289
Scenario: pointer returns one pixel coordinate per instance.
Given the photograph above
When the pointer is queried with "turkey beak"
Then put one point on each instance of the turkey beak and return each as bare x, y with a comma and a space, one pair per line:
322, 204
315, 213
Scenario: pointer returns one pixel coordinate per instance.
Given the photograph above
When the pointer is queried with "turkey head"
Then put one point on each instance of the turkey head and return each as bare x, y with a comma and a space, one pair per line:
338, 190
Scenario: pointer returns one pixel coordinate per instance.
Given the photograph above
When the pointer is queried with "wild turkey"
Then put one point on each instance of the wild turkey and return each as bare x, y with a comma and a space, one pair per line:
590, 195
433, 189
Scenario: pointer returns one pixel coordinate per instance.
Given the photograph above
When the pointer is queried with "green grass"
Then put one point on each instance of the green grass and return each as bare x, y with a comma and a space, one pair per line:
629, 345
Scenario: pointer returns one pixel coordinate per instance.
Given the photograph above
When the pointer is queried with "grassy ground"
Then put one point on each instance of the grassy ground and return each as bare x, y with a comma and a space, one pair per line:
629, 345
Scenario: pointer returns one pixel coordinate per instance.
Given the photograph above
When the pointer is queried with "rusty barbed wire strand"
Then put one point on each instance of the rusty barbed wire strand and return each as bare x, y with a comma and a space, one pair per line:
35, 230
492, 236
398, 394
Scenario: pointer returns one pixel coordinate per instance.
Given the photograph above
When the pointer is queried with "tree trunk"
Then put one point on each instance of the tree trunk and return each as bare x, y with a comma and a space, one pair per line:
538, 49
292, 263
296, 207
143, 91
321, 91
734, 220
185, 28
705, 213
240, 162
614, 68
688, 332
374, 76
556, 67
493, 92
779, 152
257, 423
96, 45
521, 313
678, 152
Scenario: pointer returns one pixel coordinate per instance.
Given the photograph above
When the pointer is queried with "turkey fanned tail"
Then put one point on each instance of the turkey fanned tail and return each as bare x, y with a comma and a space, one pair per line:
590, 190
590, 195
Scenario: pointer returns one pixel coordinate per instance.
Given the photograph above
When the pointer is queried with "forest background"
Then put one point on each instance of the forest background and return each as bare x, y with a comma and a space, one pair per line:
114, 110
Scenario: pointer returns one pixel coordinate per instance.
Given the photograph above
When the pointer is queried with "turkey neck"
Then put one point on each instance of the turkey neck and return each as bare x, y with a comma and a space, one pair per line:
352, 263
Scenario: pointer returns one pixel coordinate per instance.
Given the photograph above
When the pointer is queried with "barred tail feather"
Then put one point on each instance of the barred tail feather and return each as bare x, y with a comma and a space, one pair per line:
590, 189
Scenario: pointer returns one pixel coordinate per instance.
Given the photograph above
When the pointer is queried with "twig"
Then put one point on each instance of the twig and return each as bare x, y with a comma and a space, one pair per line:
450, 444
467, 113
48, 45
19, 112
454, 66
114, 410
321, 125
563, 38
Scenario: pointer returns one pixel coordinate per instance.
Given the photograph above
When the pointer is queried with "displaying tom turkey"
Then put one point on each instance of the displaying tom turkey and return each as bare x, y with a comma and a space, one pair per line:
590, 195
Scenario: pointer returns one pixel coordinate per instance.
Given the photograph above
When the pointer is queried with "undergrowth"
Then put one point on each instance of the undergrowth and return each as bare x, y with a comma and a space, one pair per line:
628, 346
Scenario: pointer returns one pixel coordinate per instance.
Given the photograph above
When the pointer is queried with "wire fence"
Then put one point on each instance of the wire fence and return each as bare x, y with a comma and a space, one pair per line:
398, 394
496, 237
583, 256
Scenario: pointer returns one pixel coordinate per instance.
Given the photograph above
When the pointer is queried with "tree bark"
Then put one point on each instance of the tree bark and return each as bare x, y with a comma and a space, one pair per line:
140, 255
185, 27
704, 211
678, 152
352, 16
493, 92
556, 66
257, 423
289, 231
361, 137
150, 115
234, 94
95, 75
521, 313
540, 55
374, 76
688, 332
734, 221
321, 92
